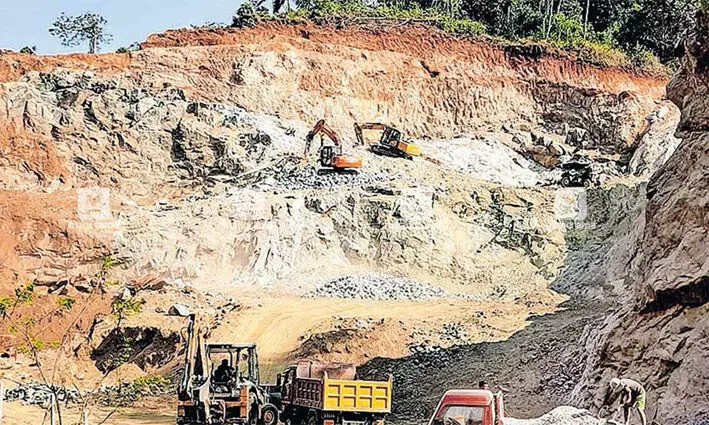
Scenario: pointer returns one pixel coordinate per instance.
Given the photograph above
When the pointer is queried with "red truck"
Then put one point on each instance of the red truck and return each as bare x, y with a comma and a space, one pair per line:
469, 407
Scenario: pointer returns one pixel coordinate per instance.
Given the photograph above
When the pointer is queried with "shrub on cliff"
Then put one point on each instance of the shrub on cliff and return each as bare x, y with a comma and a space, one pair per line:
352, 9
29, 50
464, 27
250, 13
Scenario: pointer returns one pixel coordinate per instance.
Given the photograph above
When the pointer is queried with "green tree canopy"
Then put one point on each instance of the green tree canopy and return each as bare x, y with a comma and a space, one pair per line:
74, 30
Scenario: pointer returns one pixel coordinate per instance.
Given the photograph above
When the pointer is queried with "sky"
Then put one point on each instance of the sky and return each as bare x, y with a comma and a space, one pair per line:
26, 22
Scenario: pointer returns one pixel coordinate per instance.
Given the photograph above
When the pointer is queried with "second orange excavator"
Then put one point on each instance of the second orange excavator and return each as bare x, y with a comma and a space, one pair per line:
331, 157
390, 143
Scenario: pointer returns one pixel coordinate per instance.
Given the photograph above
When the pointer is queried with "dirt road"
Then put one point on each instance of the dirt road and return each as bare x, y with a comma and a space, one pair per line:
151, 412
376, 328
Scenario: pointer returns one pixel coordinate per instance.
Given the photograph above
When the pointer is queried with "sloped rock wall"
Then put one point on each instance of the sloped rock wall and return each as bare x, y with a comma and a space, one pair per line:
660, 335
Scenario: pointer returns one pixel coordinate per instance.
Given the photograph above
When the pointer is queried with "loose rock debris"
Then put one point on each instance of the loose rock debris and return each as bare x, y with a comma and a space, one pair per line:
562, 415
377, 287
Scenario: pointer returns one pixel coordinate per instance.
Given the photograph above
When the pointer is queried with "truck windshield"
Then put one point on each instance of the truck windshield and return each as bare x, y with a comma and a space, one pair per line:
460, 415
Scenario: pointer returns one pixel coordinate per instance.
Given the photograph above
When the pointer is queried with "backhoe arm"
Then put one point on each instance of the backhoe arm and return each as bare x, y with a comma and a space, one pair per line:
367, 126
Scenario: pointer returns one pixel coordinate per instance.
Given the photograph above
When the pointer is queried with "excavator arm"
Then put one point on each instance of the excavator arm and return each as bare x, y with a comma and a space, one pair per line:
366, 126
320, 127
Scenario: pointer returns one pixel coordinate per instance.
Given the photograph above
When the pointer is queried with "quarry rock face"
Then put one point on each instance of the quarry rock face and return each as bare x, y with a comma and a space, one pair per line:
197, 109
660, 336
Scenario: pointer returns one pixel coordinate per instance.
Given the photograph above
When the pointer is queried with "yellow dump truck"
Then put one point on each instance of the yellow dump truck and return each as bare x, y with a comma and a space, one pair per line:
330, 394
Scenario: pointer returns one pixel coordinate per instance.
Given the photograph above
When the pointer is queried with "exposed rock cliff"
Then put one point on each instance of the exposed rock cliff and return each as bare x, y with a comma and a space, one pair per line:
660, 336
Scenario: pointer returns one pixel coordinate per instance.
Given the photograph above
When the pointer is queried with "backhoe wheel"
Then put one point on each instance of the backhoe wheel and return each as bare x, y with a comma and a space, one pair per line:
313, 420
587, 184
269, 416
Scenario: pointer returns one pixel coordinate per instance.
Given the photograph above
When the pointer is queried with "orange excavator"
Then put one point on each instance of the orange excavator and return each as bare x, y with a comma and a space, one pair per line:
390, 143
331, 157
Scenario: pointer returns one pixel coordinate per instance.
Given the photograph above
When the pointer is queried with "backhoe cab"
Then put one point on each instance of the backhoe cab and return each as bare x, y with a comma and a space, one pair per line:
390, 143
331, 157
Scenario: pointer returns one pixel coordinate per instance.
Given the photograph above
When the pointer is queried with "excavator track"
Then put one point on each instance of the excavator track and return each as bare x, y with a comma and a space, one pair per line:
390, 152
327, 171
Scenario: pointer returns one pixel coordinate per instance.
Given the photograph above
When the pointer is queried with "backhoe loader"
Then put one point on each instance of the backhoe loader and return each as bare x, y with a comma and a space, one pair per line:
390, 143
228, 394
331, 157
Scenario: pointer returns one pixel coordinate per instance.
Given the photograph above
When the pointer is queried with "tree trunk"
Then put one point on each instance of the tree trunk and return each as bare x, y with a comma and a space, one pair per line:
550, 9
585, 20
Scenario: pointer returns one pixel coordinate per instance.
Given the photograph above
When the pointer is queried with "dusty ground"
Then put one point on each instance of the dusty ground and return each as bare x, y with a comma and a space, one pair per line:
379, 329
149, 412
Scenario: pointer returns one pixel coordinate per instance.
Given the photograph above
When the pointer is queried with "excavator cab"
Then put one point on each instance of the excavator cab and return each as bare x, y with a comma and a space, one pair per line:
232, 364
331, 157
390, 136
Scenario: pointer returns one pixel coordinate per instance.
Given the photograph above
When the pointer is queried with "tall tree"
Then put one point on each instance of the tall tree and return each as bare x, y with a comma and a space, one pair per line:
657, 25
74, 30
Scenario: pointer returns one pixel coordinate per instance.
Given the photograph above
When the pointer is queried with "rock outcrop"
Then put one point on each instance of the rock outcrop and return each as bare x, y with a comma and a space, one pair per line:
660, 335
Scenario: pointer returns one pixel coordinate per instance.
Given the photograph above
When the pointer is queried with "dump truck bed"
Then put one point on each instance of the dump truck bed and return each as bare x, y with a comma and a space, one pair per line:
344, 395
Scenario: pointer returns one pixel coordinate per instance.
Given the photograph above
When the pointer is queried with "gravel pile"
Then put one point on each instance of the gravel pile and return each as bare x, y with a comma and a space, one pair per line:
562, 415
36, 393
313, 178
377, 287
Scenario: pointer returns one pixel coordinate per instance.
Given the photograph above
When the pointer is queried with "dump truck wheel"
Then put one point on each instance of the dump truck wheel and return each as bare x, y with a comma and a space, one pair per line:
313, 420
566, 182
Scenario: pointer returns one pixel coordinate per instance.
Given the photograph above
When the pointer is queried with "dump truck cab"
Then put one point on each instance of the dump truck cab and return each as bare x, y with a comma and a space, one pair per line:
469, 407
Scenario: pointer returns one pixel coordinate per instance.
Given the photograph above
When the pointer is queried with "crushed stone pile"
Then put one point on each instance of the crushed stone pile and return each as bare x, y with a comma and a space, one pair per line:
562, 415
311, 177
377, 287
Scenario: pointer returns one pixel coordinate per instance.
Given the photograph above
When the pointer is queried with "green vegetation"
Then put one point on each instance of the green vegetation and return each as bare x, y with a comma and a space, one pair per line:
250, 13
108, 262
5, 304
74, 30
641, 33
34, 344
123, 308
157, 383
24, 294
130, 392
66, 303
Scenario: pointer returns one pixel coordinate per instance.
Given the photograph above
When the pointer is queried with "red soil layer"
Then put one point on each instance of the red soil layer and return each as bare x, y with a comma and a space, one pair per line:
418, 41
